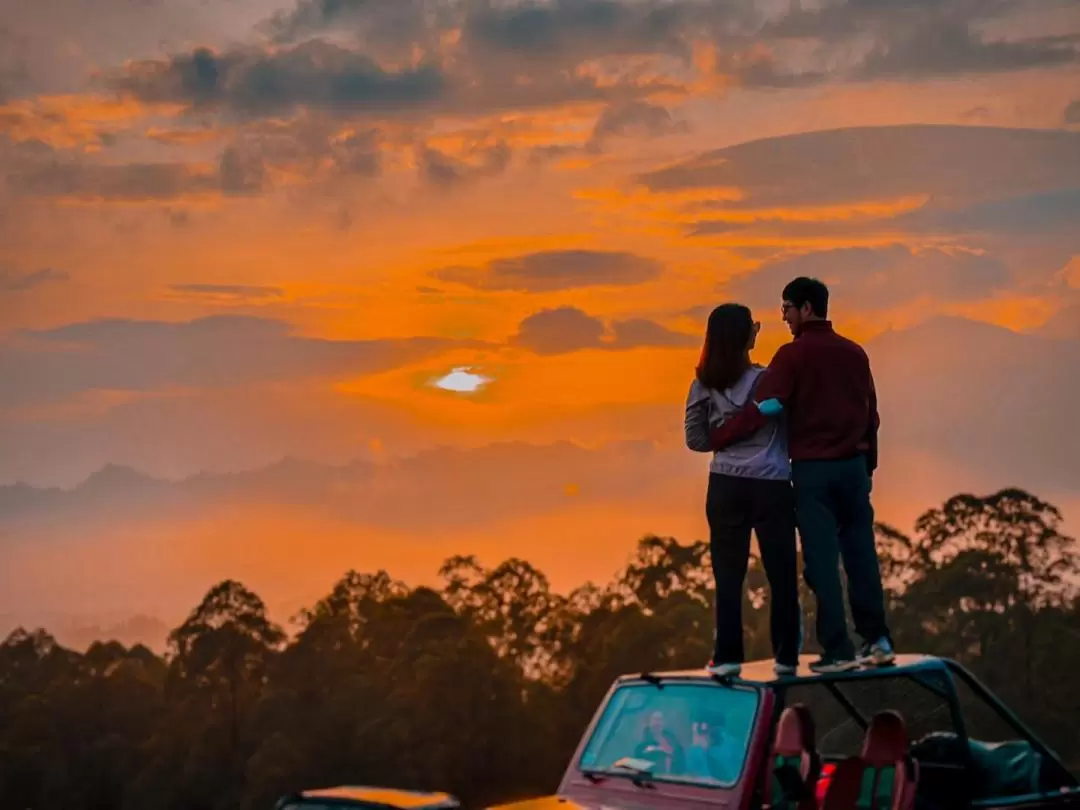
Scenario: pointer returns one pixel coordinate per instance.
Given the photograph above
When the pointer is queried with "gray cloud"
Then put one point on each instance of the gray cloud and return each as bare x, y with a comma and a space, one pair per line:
1057, 210
568, 329
598, 27
441, 170
250, 83
877, 278
881, 163
943, 48
555, 331
496, 39
1072, 113
1009, 220
358, 154
35, 38
699, 312
400, 24
257, 83
312, 16
840, 20
20, 282
635, 119
556, 270
637, 332
755, 68
309, 147
213, 352
527, 53
78, 178
241, 172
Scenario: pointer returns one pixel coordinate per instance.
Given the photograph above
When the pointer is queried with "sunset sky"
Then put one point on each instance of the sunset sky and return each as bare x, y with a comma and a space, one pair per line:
234, 232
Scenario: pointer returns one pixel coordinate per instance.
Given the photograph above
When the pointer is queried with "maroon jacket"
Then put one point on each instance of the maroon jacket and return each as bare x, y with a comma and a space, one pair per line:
824, 382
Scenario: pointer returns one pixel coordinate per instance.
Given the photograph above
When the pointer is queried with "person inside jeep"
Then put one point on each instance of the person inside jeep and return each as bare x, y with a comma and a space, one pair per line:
660, 746
713, 753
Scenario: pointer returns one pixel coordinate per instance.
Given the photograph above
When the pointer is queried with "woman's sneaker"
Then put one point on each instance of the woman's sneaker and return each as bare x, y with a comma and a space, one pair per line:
784, 670
723, 670
828, 663
877, 654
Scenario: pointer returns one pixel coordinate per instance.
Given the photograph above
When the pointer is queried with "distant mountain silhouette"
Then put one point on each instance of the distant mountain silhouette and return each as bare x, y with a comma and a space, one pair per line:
146, 630
435, 487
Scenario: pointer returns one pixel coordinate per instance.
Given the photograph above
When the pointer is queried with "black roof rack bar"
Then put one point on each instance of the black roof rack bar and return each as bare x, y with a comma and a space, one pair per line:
848, 705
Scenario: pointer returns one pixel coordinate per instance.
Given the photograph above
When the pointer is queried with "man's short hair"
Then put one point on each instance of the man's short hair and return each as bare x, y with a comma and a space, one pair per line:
810, 291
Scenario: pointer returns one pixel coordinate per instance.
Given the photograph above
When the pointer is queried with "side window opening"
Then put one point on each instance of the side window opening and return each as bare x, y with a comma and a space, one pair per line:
1008, 763
986, 761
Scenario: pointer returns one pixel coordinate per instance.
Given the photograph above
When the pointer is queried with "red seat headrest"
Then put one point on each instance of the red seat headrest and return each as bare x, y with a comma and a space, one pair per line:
808, 728
886, 740
795, 731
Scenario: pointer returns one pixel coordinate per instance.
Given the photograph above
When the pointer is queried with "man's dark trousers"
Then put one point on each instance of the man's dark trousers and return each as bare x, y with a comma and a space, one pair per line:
836, 522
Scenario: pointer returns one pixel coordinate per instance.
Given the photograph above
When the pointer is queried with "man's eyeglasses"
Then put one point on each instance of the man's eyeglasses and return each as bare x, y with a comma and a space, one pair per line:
784, 307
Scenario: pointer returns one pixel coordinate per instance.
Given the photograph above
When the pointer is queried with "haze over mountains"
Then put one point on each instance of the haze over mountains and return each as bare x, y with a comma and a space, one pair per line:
966, 406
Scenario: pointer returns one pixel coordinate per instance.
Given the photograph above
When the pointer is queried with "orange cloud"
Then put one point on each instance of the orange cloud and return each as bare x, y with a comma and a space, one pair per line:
186, 137
72, 121
1016, 312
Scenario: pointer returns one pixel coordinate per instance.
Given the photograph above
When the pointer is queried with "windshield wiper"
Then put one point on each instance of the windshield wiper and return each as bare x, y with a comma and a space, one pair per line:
641, 768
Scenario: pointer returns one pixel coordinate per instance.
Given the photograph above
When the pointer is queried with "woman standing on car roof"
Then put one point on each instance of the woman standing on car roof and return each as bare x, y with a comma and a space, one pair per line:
749, 489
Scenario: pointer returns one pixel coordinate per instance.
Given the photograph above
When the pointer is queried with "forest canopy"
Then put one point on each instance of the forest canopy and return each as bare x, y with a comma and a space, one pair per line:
482, 686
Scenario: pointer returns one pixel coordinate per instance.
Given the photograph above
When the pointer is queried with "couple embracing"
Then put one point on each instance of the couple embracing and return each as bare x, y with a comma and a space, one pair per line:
794, 446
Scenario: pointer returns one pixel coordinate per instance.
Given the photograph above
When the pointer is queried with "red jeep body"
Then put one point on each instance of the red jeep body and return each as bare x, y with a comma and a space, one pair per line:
683, 740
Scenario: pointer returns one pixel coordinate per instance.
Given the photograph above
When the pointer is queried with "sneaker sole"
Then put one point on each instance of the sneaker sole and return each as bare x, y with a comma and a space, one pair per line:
877, 660
724, 673
847, 666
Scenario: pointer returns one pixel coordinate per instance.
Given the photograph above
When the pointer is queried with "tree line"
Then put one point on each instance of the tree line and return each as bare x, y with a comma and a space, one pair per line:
482, 686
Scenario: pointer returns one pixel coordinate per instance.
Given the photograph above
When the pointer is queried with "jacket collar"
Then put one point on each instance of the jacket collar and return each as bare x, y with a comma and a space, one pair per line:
815, 326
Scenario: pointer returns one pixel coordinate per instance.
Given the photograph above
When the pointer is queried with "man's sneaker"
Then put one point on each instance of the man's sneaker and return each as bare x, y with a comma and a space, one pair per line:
783, 670
877, 654
723, 670
827, 664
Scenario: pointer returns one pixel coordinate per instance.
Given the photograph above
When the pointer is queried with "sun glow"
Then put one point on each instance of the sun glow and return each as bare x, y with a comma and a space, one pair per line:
461, 380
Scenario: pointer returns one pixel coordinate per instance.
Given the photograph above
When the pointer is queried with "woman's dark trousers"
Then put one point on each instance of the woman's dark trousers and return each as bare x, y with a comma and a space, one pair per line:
735, 506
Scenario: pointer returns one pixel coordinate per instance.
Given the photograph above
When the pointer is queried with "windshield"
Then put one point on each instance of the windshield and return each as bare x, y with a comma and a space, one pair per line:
690, 733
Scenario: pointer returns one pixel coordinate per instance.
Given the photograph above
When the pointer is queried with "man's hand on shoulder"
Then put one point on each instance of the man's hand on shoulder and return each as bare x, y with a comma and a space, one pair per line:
770, 407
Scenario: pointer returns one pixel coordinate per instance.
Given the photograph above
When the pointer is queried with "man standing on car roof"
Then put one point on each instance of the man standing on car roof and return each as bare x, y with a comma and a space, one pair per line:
823, 384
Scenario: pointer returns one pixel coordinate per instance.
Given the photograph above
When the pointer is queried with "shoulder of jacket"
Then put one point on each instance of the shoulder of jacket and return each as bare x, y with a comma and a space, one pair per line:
853, 345
789, 349
697, 391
